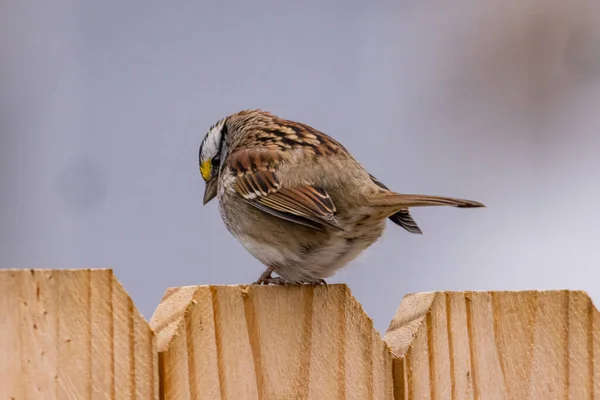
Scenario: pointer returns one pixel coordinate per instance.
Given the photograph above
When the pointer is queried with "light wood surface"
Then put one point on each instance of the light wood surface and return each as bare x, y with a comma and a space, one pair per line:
73, 334
496, 345
256, 342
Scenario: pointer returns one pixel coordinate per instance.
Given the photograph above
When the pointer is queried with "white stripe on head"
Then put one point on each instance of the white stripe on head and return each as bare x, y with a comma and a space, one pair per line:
212, 141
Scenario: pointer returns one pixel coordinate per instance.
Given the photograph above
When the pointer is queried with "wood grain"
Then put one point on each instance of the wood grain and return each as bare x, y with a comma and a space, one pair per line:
496, 345
73, 334
257, 342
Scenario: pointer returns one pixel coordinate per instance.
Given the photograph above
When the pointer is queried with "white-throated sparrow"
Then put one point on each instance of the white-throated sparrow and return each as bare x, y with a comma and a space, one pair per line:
296, 199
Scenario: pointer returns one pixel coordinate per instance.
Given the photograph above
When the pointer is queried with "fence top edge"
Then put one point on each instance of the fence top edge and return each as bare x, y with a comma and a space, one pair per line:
522, 291
22, 270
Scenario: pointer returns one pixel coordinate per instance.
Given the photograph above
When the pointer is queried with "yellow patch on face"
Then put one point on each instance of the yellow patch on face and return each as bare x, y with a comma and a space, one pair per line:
205, 169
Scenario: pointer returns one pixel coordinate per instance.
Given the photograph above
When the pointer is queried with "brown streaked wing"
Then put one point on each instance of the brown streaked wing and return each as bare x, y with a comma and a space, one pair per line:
256, 181
310, 202
255, 184
255, 171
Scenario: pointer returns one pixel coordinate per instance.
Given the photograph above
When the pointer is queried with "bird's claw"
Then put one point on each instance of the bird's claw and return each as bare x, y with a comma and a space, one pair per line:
271, 281
266, 279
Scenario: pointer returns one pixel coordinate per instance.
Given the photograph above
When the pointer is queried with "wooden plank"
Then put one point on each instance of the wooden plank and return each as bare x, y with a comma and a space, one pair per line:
496, 345
486, 368
459, 351
73, 341
579, 345
257, 342
60, 337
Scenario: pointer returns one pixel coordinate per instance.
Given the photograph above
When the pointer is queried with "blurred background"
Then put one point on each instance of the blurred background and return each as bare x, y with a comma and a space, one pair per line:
103, 105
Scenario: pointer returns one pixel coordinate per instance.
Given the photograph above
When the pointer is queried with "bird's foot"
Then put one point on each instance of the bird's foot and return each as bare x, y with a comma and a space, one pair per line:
266, 279
271, 281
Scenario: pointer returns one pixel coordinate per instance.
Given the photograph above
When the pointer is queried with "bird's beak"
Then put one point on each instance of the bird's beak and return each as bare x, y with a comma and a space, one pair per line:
210, 191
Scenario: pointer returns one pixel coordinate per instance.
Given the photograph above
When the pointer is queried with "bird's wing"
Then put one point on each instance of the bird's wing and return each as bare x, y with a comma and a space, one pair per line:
256, 181
402, 217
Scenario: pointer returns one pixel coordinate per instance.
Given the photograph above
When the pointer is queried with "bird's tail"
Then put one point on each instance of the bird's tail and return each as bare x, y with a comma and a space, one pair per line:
397, 201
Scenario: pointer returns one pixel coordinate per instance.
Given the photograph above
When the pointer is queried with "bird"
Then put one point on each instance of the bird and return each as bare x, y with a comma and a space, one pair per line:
296, 199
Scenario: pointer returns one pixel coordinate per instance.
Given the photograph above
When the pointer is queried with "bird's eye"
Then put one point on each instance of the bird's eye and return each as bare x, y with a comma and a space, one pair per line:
215, 162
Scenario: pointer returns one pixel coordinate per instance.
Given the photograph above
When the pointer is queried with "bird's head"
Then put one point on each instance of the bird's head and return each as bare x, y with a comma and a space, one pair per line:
211, 155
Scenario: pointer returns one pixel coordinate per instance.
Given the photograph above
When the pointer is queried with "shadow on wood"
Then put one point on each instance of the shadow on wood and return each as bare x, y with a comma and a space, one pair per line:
249, 342
496, 345
73, 334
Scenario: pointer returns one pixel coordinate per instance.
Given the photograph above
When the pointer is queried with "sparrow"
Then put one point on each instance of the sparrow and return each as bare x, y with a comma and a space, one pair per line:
296, 199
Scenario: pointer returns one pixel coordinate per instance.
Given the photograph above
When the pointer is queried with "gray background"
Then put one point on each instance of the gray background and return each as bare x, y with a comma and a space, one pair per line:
103, 105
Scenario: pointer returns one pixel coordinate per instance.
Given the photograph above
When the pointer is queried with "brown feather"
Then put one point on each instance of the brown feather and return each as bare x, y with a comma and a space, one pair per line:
267, 131
402, 201
402, 217
256, 181
298, 201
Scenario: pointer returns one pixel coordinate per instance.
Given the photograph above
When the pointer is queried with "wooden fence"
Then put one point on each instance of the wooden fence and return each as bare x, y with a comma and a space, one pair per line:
75, 334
